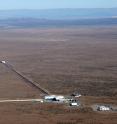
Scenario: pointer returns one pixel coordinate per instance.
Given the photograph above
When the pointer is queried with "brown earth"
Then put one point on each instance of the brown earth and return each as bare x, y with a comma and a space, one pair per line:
65, 60
26, 113
62, 61
13, 87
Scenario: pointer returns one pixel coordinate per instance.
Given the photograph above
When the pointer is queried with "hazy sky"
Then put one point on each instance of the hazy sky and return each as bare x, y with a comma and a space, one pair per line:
45, 4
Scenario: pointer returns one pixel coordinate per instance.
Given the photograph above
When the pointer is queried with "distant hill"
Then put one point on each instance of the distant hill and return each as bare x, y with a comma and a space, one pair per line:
45, 23
60, 13
57, 18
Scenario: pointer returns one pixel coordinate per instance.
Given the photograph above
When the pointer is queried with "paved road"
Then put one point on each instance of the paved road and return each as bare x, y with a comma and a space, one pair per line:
21, 100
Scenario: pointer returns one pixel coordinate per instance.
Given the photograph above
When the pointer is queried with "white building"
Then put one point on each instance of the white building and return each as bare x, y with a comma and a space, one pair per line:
103, 108
54, 98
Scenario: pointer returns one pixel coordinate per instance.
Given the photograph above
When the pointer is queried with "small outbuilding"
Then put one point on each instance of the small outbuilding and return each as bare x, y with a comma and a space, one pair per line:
103, 108
76, 94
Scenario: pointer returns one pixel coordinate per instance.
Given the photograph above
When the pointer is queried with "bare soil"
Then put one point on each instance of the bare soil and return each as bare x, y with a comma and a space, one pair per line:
13, 87
61, 60
34, 113
65, 60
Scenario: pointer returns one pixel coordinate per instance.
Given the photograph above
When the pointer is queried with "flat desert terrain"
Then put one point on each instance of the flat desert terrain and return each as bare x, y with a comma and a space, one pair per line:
63, 61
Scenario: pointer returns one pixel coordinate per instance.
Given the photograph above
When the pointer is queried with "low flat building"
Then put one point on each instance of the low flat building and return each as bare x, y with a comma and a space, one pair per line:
54, 98
103, 108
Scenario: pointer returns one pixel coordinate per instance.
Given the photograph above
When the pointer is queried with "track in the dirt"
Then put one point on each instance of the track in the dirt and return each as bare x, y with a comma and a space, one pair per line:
26, 79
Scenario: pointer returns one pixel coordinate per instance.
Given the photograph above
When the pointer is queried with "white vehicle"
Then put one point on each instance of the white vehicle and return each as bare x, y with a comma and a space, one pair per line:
41, 101
74, 104
78, 95
3, 62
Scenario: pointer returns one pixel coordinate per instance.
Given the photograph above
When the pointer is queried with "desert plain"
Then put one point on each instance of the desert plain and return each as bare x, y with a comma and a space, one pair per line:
63, 61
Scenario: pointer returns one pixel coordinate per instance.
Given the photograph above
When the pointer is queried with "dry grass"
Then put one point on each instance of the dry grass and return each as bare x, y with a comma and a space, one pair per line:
63, 61
25, 113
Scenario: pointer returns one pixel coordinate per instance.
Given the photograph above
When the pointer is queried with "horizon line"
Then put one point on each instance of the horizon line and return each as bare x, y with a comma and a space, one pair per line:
58, 8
